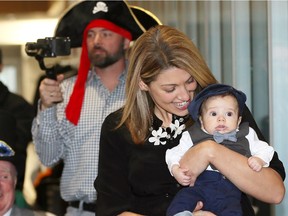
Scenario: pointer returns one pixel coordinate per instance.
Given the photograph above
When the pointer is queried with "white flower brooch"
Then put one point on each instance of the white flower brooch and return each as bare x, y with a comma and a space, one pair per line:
161, 135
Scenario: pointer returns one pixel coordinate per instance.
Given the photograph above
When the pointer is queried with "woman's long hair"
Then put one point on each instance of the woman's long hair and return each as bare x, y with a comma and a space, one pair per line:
158, 49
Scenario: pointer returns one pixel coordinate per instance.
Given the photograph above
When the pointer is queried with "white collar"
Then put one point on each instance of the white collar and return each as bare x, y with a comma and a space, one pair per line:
8, 213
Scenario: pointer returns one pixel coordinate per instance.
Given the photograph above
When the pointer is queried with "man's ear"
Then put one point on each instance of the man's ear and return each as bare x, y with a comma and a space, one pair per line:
126, 44
143, 86
15, 182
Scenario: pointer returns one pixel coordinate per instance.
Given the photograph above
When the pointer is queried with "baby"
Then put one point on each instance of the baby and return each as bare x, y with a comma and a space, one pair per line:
217, 112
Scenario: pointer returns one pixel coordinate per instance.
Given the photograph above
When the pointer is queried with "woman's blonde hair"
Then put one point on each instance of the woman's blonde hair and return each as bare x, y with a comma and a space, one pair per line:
156, 50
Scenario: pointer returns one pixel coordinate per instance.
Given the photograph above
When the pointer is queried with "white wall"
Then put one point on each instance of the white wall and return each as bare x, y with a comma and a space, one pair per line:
278, 85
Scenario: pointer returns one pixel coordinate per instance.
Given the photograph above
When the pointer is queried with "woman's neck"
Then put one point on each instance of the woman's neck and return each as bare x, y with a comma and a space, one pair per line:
164, 116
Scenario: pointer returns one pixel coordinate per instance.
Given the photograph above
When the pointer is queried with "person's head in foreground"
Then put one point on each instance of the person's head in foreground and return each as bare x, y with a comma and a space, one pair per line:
8, 172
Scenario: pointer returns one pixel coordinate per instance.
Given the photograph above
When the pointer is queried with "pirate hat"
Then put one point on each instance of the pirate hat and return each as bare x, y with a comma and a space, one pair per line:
145, 17
79, 15
8, 137
214, 90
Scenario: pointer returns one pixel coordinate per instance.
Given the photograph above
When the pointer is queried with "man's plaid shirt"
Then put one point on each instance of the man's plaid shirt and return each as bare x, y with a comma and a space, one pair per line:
55, 138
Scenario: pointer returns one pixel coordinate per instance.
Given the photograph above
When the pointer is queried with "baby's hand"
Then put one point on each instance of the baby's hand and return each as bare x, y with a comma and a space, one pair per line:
180, 175
255, 163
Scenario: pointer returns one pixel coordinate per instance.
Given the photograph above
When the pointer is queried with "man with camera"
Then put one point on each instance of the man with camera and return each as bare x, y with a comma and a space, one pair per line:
71, 111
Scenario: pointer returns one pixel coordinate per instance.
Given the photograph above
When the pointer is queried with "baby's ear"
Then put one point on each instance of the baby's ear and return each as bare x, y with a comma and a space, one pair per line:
201, 121
239, 120
143, 86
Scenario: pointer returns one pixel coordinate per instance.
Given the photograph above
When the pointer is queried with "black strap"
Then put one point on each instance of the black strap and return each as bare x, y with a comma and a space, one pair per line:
91, 207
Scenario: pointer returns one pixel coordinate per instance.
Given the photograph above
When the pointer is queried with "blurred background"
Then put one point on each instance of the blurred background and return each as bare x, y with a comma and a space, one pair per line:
244, 42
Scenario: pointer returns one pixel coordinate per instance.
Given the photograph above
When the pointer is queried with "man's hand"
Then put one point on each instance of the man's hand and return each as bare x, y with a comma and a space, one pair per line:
50, 92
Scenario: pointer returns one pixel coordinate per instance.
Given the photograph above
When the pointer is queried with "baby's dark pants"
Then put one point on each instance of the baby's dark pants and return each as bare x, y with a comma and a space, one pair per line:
217, 193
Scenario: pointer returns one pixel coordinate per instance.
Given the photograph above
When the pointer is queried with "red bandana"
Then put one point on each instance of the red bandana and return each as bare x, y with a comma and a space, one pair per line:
74, 105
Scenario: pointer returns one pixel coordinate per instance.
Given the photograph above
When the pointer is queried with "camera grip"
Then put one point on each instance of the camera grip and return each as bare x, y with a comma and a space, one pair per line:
51, 74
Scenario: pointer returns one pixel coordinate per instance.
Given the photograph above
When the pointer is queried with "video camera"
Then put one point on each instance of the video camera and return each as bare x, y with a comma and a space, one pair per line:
48, 47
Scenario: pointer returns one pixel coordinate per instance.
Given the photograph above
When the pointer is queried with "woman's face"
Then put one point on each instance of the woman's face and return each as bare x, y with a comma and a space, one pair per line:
172, 91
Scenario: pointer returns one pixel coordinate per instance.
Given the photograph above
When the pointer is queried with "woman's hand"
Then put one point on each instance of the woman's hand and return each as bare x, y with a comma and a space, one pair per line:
199, 212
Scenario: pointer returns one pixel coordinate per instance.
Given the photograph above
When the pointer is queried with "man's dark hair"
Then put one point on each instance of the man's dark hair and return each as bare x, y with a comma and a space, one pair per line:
0, 56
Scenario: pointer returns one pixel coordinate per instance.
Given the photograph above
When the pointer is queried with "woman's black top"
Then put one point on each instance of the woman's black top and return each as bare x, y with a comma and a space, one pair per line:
136, 178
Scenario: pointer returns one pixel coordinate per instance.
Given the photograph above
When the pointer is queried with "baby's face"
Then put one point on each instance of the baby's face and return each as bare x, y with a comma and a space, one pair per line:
220, 113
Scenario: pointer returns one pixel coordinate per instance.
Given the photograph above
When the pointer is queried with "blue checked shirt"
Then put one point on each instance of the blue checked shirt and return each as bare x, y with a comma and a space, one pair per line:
56, 138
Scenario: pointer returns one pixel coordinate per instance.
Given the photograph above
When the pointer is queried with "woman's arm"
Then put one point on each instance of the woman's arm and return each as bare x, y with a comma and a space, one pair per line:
266, 185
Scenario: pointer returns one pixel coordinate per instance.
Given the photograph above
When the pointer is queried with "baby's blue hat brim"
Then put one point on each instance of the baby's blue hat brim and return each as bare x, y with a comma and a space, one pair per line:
214, 90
